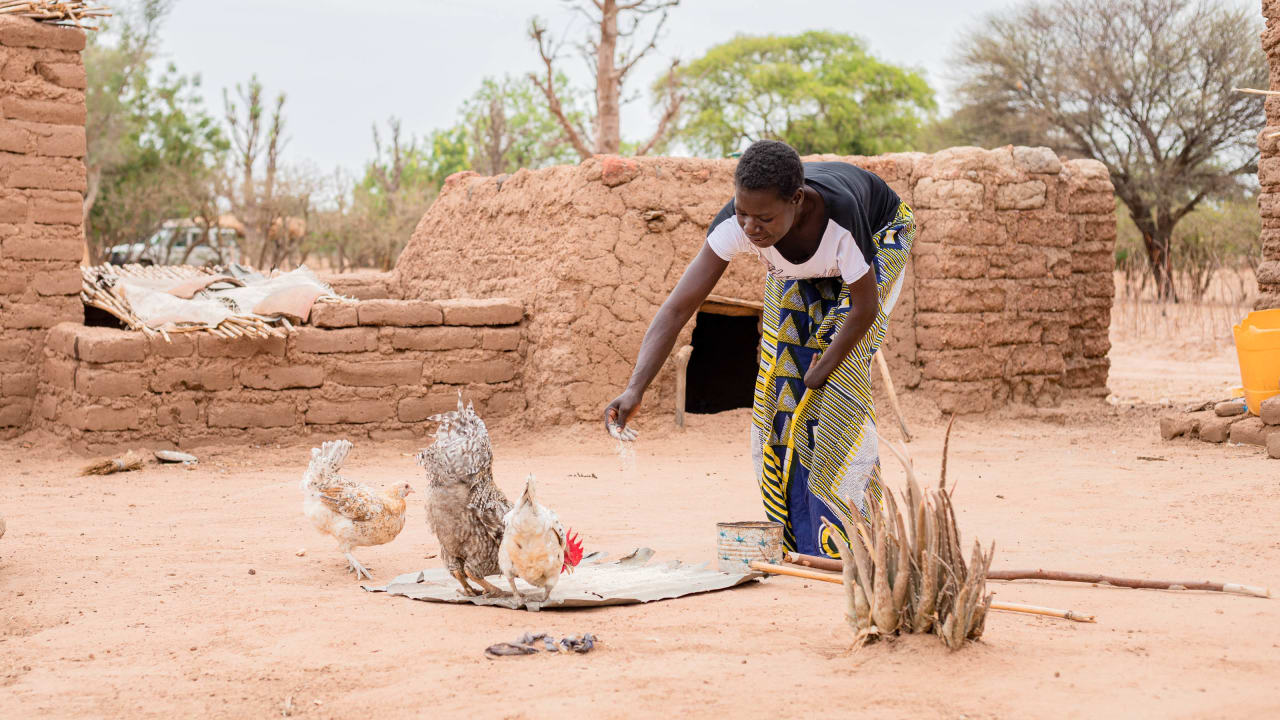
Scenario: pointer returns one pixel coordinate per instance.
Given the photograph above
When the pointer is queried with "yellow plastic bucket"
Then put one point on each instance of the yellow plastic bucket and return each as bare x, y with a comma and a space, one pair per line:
1258, 349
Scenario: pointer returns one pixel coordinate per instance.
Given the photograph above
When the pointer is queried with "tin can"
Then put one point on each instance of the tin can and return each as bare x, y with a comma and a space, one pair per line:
740, 543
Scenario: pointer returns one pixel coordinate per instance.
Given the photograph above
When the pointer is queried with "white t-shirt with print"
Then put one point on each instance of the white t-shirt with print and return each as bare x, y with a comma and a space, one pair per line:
838, 254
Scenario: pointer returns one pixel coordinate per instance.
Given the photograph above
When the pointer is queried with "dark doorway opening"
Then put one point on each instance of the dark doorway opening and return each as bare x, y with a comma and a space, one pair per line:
723, 366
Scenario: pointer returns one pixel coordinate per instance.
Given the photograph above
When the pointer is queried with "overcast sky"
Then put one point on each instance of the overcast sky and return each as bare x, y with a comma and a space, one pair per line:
345, 64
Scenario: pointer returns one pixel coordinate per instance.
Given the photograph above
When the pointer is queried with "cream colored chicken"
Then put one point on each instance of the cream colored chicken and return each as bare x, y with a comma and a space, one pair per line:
354, 514
535, 547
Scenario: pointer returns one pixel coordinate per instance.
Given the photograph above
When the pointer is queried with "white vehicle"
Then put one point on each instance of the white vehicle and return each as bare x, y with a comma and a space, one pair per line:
184, 242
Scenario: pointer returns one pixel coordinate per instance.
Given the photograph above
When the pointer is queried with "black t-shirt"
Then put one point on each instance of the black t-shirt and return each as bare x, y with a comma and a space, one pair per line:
856, 200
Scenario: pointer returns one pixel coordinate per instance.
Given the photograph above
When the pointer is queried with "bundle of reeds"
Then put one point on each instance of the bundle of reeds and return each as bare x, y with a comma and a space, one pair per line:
910, 575
55, 12
109, 466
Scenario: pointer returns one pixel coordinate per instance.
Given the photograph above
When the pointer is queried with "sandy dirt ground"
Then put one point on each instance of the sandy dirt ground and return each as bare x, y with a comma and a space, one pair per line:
174, 592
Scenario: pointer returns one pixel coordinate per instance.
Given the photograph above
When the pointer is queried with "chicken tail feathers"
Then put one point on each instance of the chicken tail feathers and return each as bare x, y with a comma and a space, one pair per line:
528, 499
326, 460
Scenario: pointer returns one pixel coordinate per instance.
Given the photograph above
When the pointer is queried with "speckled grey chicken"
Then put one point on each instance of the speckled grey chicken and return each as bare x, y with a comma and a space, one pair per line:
464, 506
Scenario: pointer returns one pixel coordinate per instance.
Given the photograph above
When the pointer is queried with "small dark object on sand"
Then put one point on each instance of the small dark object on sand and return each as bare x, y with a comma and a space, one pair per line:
502, 649
584, 644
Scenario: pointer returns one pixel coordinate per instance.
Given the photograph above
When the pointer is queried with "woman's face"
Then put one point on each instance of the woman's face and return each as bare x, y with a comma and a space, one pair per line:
764, 216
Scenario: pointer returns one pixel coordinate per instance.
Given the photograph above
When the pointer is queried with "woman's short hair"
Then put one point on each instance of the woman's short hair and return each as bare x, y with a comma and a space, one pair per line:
770, 165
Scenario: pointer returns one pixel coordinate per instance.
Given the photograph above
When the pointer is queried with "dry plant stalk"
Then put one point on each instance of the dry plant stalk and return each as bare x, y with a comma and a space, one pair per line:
910, 575
126, 462
55, 12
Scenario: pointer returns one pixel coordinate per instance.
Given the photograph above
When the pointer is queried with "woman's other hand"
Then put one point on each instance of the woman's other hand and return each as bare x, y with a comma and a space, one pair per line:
816, 376
619, 412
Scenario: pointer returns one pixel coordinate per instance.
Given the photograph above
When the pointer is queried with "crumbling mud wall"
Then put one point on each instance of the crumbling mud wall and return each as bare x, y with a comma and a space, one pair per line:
377, 368
1007, 299
42, 185
1269, 167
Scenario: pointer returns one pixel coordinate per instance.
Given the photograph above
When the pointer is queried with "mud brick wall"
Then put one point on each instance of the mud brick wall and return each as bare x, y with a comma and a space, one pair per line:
378, 368
1269, 167
42, 185
1007, 297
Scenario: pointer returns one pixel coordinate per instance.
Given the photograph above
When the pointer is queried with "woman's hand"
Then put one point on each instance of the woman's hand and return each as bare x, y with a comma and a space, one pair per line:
619, 411
816, 376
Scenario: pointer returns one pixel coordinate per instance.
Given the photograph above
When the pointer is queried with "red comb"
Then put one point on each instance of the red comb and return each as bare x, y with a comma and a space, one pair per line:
572, 552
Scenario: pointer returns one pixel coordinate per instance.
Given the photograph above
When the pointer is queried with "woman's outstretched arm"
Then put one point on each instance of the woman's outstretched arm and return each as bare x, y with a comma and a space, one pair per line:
689, 294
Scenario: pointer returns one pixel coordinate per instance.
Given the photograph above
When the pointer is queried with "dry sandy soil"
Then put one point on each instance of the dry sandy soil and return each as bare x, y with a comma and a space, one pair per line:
173, 592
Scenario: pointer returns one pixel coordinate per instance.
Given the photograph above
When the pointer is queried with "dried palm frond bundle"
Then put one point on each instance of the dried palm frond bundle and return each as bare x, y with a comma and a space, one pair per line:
910, 575
126, 462
55, 12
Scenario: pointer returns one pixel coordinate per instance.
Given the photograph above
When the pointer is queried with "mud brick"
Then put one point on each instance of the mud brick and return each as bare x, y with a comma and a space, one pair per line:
1231, 408
327, 412
13, 210
59, 373
284, 377
1037, 160
14, 411
60, 112
213, 346
1216, 429
1252, 431
181, 412
19, 384
399, 313
105, 382
948, 194
22, 32
178, 345
492, 311
959, 397
251, 415
59, 242
477, 371
958, 296
52, 140
1273, 445
1269, 411
333, 315
57, 282
109, 345
62, 338
101, 418
67, 75
962, 365
1020, 196
45, 314
314, 340
57, 208
500, 339
434, 338
1180, 424
14, 139
206, 376
377, 373
417, 409
505, 403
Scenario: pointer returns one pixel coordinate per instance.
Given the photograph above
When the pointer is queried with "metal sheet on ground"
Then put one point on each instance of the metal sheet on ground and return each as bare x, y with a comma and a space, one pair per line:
627, 581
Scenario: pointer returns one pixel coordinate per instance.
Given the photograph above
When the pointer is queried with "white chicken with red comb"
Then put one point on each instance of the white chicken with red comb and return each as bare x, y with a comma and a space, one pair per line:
535, 546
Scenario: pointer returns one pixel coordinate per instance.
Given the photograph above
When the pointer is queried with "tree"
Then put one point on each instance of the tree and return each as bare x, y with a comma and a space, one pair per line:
818, 91
398, 186
613, 22
272, 205
152, 149
1144, 86
508, 127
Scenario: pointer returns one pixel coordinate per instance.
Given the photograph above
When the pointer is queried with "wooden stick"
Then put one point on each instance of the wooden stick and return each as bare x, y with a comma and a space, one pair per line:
682, 381
1252, 91
828, 564
1128, 582
773, 569
893, 393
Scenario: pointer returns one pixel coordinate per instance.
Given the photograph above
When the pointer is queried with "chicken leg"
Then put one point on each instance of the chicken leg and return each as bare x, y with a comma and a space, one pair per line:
490, 590
353, 565
462, 580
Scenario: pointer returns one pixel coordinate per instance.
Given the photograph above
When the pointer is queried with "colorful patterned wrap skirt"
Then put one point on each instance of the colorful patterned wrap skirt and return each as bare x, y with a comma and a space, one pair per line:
815, 448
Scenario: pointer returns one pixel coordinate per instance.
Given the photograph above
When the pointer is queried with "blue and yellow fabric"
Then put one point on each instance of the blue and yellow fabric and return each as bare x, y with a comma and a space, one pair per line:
815, 448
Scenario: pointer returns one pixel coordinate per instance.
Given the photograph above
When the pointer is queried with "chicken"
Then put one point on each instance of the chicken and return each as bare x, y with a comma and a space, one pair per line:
464, 506
354, 514
535, 547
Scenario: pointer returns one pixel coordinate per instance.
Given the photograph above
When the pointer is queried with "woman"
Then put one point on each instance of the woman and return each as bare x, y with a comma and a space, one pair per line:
835, 239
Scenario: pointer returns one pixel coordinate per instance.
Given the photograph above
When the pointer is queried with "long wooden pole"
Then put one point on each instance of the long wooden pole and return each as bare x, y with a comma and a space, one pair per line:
773, 569
831, 565
682, 381
893, 393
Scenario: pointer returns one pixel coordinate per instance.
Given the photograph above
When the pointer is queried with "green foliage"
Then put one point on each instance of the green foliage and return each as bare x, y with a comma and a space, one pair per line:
819, 91
508, 126
153, 150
